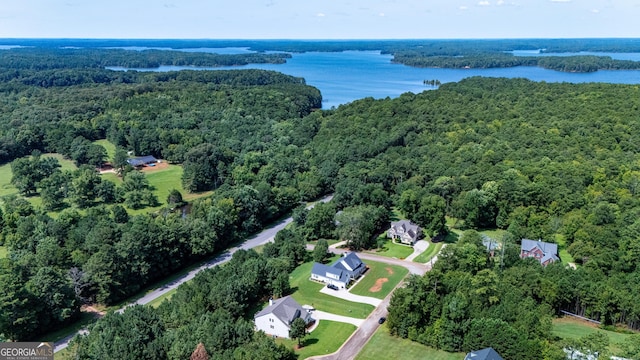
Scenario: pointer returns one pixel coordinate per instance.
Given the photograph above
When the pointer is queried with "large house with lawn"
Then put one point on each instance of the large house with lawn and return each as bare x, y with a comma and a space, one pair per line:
141, 161
544, 252
340, 273
276, 318
404, 231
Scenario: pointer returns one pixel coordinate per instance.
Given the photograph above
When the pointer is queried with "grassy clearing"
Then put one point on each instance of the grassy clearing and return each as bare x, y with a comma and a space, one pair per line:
6, 188
393, 273
571, 328
393, 250
565, 257
431, 251
325, 339
109, 146
3, 252
384, 346
308, 292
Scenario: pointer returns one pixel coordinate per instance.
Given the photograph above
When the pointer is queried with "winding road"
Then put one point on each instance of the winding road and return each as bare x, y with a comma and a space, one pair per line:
263, 237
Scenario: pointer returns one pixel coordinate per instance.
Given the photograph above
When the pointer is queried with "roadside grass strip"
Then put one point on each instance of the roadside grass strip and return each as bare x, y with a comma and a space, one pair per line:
379, 280
432, 250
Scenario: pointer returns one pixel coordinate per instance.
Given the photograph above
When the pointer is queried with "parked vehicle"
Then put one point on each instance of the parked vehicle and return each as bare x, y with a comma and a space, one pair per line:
381, 320
332, 287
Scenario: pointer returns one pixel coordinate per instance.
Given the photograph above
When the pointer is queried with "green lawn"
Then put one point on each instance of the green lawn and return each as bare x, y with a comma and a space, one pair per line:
431, 251
325, 339
307, 292
393, 250
109, 146
6, 188
384, 346
565, 257
84, 320
570, 328
3, 252
393, 273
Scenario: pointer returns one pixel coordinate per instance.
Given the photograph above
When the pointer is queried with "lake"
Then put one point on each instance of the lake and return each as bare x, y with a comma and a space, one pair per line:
346, 76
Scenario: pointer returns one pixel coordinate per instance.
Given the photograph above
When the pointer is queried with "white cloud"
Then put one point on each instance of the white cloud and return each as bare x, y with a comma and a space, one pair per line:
320, 15
484, 3
381, 14
463, 7
560, 1
595, 11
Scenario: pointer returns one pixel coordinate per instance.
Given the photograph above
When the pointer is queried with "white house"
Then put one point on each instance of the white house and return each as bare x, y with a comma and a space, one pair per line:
405, 231
276, 318
340, 273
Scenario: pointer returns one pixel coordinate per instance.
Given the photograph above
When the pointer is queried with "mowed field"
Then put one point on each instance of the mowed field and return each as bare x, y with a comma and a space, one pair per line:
384, 346
571, 328
379, 280
324, 339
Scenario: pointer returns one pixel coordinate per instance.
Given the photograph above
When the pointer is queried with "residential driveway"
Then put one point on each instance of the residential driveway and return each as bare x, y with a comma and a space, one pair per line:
418, 248
321, 315
346, 295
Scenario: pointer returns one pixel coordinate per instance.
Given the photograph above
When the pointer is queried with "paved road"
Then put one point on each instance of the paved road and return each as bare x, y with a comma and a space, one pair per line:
256, 240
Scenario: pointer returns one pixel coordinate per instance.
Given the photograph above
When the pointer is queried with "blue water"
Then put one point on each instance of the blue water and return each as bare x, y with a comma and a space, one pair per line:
347, 76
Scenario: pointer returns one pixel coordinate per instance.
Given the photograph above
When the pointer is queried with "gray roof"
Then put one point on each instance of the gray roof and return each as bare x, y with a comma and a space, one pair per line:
352, 260
142, 160
407, 227
322, 270
286, 309
489, 243
484, 354
549, 250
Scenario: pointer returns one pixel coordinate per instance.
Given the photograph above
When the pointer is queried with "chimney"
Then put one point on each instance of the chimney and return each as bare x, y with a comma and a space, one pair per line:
270, 301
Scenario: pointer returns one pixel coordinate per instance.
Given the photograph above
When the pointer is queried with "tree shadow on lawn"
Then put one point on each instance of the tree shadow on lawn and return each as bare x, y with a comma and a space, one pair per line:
309, 341
448, 238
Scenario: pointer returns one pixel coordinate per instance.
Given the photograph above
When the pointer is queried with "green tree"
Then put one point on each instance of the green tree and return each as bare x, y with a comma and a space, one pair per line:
174, 199
320, 251
119, 161
298, 330
137, 191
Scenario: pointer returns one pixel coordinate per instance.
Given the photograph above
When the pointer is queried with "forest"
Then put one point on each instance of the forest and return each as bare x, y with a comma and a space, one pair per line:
557, 162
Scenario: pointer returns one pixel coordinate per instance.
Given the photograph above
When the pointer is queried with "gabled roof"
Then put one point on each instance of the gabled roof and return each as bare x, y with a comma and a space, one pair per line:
322, 270
545, 247
141, 160
350, 262
489, 243
286, 309
405, 227
484, 354
549, 250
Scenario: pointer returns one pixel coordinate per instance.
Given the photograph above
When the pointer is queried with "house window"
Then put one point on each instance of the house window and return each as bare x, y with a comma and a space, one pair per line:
271, 326
270, 320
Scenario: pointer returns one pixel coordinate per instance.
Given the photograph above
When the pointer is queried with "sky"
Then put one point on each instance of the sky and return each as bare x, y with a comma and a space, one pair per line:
319, 19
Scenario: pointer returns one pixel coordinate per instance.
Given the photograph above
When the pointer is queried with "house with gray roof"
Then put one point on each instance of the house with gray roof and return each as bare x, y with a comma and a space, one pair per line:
484, 354
404, 231
276, 318
142, 161
544, 252
340, 273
